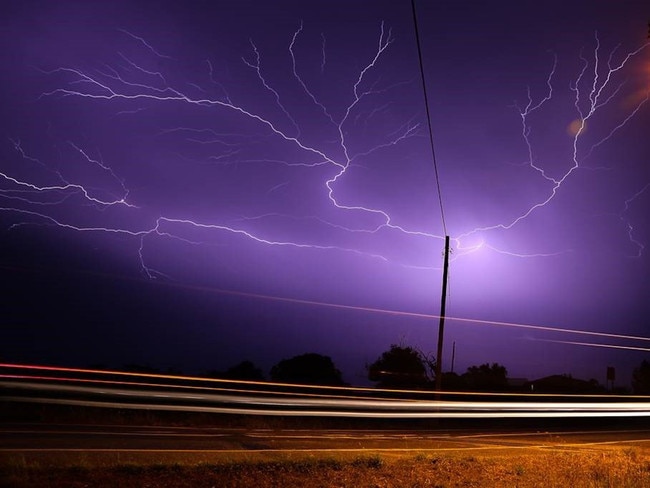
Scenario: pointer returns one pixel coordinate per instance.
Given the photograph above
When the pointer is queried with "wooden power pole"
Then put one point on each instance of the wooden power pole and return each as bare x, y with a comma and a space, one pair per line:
441, 324
441, 327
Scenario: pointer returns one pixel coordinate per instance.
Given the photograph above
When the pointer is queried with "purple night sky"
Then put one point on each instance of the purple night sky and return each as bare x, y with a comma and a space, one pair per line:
164, 164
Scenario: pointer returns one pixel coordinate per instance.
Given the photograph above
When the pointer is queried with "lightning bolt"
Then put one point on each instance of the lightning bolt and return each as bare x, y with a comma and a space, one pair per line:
144, 43
131, 82
132, 86
630, 228
256, 66
594, 88
65, 187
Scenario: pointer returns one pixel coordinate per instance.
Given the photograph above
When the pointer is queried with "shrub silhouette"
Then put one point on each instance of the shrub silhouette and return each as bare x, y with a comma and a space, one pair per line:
310, 368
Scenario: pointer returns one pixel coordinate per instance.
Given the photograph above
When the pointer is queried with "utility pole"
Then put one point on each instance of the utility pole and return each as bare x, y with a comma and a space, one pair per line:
441, 327
441, 324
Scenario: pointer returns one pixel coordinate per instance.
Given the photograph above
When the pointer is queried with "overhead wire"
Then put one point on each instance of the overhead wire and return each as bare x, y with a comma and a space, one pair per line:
428, 113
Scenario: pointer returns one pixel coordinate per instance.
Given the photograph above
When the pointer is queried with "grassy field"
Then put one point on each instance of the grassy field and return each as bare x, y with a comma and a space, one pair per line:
610, 468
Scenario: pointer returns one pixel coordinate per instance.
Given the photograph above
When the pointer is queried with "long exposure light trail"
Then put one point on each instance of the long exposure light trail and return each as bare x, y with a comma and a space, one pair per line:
93, 376
549, 412
301, 402
418, 314
403, 313
344, 403
594, 344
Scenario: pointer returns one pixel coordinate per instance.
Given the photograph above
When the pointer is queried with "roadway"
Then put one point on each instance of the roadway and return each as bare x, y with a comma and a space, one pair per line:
68, 438
66, 414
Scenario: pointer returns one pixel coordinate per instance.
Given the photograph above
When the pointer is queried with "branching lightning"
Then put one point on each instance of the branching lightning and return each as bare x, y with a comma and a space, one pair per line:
593, 89
112, 83
133, 86
630, 228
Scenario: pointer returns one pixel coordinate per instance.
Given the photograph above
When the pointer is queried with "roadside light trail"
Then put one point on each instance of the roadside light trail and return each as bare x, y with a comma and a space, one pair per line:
90, 388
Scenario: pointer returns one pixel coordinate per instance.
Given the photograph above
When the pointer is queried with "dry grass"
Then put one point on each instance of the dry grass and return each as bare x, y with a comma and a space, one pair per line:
612, 468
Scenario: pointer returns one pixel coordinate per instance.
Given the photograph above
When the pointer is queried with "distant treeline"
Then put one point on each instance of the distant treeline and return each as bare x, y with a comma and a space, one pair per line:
402, 367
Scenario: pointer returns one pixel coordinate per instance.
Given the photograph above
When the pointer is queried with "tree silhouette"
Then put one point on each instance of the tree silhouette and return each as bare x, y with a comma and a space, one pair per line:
401, 366
453, 382
641, 379
245, 370
565, 383
310, 368
486, 377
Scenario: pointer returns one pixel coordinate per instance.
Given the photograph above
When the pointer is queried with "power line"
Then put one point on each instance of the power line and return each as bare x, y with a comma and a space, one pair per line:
443, 301
426, 105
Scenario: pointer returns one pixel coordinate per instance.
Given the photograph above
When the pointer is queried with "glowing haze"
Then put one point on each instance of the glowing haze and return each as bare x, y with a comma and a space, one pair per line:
154, 156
